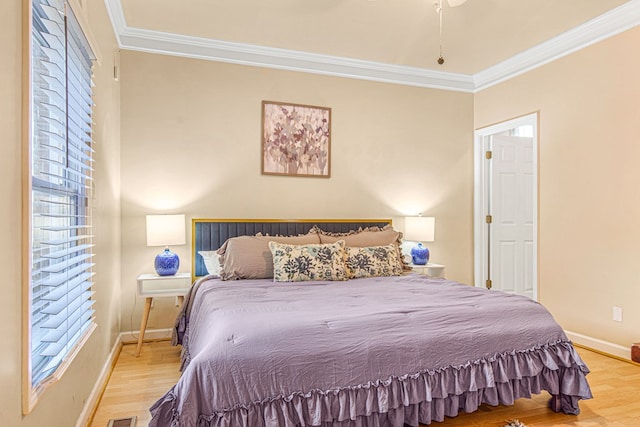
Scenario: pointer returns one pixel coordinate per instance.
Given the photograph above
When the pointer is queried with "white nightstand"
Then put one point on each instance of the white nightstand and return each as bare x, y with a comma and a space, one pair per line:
153, 286
431, 269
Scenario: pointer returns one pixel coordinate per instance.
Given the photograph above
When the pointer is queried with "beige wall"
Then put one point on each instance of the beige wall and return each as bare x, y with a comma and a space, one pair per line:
191, 144
61, 405
589, 179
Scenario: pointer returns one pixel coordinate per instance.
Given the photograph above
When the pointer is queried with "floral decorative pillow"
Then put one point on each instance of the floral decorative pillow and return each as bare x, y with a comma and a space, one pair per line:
373, 261
297, 263
368, 237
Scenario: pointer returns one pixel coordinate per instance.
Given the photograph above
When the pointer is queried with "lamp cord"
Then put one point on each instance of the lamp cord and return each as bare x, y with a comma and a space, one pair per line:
132, 331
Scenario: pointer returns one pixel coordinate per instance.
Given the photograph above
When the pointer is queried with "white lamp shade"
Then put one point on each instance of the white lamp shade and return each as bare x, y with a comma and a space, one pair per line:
419, 228
165, 230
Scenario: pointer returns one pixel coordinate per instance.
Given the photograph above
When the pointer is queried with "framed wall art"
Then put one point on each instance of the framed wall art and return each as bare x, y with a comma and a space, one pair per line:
296, 140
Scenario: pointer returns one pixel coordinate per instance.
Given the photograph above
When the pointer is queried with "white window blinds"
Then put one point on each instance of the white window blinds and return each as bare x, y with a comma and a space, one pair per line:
61, 159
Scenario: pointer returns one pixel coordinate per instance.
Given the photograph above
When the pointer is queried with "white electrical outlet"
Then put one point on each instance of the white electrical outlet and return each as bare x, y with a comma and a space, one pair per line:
617, 313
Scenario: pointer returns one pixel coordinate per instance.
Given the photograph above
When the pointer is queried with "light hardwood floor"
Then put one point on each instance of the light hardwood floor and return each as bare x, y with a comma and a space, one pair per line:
136, 383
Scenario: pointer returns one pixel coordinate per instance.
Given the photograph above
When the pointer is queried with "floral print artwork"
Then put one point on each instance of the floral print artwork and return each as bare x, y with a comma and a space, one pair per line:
295, 139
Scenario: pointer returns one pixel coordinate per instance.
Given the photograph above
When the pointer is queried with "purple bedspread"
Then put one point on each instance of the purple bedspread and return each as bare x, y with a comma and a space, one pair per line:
384, 351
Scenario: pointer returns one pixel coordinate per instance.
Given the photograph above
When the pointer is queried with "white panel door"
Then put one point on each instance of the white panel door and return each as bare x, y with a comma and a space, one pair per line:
511, 231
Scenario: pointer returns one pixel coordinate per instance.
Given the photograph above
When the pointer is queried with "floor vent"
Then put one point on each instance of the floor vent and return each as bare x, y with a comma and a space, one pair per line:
122, 422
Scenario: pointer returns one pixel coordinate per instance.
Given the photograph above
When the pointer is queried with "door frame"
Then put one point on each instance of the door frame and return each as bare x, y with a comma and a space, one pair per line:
480, 196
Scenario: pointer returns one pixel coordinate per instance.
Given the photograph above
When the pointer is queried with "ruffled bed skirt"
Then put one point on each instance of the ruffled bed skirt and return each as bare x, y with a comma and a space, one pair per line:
411, 399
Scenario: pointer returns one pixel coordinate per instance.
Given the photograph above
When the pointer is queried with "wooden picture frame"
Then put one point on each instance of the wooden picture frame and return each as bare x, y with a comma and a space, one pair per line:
296, 140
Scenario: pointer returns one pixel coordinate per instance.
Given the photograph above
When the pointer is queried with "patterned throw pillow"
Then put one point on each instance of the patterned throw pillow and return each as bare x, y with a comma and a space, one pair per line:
297, 263
370, 236
373, 261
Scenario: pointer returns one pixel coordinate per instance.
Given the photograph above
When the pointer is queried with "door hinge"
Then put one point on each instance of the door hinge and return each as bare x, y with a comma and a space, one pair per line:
488, 155
488, 283
488, 219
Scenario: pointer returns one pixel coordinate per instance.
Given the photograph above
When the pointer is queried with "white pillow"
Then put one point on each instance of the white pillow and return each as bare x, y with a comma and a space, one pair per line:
211, 261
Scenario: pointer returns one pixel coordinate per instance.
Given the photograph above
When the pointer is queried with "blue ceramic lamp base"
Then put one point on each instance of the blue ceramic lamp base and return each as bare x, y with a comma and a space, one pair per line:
167, 263
419, 255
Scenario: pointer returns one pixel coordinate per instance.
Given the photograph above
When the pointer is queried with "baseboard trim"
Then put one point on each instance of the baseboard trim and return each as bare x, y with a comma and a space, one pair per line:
91, 405
605, 347
130, 337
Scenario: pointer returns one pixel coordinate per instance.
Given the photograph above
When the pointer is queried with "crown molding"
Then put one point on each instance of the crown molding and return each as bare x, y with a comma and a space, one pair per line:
609, 24
615, 21
238, 53
116, 14
283, 59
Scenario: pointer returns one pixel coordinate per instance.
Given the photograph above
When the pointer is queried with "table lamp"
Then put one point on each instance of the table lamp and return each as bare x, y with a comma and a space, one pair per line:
419, 229
165, 230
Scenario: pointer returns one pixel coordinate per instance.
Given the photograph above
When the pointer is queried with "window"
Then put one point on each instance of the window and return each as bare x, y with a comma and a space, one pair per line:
60, 312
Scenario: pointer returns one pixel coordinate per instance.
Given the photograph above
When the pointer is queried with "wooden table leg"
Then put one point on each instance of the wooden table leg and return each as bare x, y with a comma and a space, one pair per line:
180, 300
143, 324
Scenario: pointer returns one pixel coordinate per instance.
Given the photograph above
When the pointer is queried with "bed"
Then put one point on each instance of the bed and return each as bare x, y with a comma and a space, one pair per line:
382, 347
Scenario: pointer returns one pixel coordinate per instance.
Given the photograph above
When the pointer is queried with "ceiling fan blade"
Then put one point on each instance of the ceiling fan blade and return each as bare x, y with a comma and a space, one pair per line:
454, 3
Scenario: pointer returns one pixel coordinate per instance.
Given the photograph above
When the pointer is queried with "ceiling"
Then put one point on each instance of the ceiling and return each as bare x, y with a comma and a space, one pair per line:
399, 33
